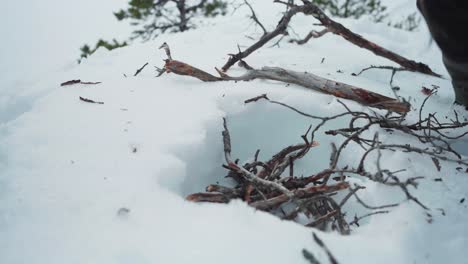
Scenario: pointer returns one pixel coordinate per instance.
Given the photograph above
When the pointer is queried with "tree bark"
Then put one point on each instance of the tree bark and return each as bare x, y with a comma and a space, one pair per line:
317, 83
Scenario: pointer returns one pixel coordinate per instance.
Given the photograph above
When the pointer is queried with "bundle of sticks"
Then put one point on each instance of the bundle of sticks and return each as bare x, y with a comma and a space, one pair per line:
262, 185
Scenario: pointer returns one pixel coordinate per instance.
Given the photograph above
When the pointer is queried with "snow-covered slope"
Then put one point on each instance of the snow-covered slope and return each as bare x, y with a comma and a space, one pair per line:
41, 37
67, 168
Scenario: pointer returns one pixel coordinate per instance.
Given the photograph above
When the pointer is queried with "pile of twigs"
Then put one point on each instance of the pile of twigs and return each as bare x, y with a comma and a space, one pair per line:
260, 185
314, 200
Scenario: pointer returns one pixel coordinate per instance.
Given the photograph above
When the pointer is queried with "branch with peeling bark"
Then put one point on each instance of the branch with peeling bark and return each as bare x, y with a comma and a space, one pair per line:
320, 84
182, 68
303, 79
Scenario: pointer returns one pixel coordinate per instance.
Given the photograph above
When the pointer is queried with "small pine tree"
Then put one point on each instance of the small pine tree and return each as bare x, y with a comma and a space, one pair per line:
353, 8
153, 17
86, 50
158, 16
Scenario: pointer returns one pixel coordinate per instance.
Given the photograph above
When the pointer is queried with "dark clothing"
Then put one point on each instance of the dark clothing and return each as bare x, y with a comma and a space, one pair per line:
448, 22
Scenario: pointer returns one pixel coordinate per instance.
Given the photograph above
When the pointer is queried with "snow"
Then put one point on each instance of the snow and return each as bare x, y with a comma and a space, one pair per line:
67, 168
42, 37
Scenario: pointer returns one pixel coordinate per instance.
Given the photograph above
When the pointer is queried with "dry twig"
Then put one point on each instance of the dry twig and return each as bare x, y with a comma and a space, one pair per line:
72, 82
140, 69
90, 101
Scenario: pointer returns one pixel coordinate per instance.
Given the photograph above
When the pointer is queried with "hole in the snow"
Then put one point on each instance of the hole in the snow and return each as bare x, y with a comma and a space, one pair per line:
262, 126
265, 127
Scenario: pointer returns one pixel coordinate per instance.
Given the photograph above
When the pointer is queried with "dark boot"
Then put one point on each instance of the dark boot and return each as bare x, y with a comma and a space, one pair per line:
448, 22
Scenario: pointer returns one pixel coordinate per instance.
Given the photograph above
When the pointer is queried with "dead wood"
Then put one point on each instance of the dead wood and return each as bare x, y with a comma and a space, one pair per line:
90, 101
309, 8
361, 42
317, 83
299, 193
357, 219
358, 40
208, 197
319, 242
312, 34
304, 79
72, 82
265, 190
182, 68
140, 69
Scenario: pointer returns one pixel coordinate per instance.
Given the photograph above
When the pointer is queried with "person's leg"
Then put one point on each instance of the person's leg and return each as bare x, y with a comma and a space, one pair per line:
448, 22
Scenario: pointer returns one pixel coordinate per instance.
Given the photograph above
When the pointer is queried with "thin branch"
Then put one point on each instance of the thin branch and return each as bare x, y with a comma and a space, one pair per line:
331, 258
140, 69
90, 101
72, 82
357, 219
280, 29
312, 34
255, 18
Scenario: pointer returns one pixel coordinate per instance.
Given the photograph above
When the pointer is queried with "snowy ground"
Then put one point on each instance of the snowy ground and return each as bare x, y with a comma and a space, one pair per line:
40, 38
67, 167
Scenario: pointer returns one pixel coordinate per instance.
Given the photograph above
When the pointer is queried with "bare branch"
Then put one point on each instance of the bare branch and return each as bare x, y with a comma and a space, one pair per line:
166, 48
255, 18
312, 34
72, 82
140, 69
357, 219
317, 83
309, 8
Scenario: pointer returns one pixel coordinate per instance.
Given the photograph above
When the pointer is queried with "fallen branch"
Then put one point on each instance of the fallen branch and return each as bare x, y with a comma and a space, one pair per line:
357, 219
140, 69
300, 193
309, 8
331, 258
72, 82
312, 34
317, 83
358, 40
255, 99
394, 71
304, 79
182, 68
208, 197
90, 101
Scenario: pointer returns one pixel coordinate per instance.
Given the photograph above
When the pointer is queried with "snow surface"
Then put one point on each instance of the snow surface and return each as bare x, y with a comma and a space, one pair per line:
67, 168
41, 37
